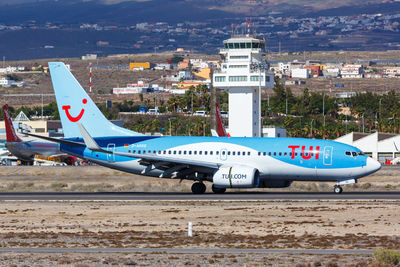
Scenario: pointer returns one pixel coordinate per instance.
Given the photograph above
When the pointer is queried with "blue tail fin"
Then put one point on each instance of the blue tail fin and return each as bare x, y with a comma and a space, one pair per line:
74, 105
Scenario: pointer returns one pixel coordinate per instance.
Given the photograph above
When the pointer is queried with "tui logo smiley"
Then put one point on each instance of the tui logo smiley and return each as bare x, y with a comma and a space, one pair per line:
77, 118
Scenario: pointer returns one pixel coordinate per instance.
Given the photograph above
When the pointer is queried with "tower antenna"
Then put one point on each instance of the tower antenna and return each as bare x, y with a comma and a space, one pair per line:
248, 28
90, 78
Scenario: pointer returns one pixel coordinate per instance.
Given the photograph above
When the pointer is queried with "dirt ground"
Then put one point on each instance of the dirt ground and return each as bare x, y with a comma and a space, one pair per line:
97, 179
327, 224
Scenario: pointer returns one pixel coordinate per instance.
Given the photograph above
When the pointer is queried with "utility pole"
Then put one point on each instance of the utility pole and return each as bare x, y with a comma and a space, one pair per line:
213, 91
323, 106
42, 106
286, 105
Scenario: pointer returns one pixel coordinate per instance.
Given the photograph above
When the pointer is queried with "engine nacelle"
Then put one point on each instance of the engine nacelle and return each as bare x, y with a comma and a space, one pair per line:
275, 183
236, 177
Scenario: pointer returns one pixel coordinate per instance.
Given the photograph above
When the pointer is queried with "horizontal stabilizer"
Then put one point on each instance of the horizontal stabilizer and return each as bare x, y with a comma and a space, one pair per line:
56, 140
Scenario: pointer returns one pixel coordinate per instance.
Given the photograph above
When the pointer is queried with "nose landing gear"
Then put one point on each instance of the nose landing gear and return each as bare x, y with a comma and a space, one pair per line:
337, 189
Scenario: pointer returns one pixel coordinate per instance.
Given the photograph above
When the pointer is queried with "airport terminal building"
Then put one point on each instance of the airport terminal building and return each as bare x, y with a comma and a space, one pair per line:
380, 146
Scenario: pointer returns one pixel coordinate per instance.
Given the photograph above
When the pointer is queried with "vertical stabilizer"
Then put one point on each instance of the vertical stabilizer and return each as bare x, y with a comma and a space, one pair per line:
75, 105
220, 124
11, 135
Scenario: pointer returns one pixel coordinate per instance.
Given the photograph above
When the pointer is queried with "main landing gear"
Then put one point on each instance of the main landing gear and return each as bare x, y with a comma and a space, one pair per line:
198, 188
337, 189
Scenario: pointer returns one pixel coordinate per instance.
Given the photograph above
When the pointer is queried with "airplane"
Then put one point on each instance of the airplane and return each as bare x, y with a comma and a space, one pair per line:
226, 162
221, 132
27, 150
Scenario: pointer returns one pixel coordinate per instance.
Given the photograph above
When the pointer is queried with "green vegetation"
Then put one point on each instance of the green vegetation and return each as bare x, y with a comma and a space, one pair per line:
310, 114
387, 257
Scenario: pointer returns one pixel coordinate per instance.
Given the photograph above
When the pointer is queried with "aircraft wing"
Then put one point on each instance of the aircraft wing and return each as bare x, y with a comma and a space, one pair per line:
92, 145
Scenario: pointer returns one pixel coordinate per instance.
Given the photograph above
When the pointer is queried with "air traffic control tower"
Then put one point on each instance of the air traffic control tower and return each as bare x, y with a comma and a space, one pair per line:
244, 72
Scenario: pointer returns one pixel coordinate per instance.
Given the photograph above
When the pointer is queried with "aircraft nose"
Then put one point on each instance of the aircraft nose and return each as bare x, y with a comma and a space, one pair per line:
372, 165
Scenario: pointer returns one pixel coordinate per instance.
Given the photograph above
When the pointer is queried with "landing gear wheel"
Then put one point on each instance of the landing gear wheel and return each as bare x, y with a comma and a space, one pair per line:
337, 189
217, 190
198, 188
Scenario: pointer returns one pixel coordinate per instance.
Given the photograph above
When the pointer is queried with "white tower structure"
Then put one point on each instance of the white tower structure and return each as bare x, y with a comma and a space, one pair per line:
244, 72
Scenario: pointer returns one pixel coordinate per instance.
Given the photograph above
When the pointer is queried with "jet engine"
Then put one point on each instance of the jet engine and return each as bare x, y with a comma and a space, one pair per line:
236, 177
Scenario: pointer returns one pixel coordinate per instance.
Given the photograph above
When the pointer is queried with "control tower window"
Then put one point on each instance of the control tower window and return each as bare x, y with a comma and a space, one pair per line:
230, 45
226, 45
255, 45
220, 78
242, 45
248, 45
238, 78
236, 45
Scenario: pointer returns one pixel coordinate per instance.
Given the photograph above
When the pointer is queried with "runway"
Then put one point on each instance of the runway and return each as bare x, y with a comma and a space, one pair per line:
188, 250
191, 197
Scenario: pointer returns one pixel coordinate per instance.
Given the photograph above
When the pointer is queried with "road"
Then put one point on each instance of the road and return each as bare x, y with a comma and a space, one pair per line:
190, 196
186, 250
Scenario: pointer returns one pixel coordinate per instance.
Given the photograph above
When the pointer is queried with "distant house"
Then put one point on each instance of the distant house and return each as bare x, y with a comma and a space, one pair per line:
5, 82
140, 65
184, 64
352, 71
392, 72
300, 73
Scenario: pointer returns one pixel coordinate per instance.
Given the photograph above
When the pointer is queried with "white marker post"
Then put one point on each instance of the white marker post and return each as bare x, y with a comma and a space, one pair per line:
190, 229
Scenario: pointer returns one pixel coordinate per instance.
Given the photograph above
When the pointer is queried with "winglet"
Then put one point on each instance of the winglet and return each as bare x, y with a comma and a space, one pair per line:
89, 141
11, 136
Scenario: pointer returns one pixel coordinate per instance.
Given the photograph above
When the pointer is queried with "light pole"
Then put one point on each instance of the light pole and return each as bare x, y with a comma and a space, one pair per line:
363, 122
323, 107
170, 127
286, 104
191, 110
260, 66
312, 120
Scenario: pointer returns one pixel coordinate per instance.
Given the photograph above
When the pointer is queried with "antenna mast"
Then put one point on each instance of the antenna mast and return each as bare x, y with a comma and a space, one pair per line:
90, 78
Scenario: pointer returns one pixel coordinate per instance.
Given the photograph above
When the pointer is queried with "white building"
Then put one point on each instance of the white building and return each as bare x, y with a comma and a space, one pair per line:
163, 66
89, 57
300, 73
5, 82
380, 146
244, 73
352, 71
198, 63
331, 72
273, 131
284, 67
392, 72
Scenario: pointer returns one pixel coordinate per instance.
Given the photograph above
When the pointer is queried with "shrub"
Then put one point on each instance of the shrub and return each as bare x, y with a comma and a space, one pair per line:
387, 256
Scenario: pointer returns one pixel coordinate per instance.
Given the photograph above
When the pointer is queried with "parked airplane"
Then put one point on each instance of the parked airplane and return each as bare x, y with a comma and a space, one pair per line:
235, 162
26, 150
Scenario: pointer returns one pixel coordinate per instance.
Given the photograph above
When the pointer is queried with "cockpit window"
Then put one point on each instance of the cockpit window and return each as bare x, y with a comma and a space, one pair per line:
361, 153
354, 154
348, 153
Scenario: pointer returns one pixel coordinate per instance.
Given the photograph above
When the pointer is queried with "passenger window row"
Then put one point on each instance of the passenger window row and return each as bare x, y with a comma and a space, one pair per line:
190, 152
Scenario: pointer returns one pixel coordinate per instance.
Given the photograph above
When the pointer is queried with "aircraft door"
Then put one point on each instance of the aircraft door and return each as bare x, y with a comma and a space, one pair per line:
111, 157
223, 154
328, 151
